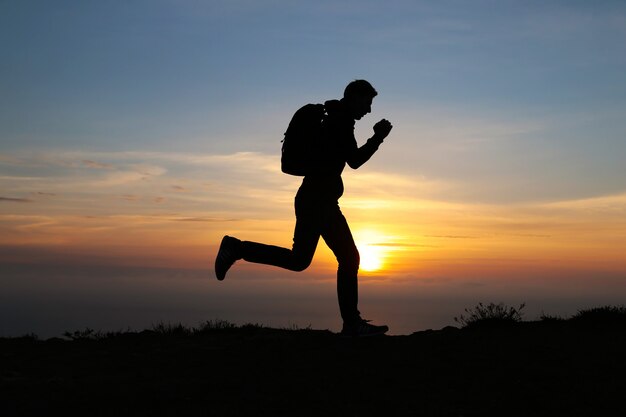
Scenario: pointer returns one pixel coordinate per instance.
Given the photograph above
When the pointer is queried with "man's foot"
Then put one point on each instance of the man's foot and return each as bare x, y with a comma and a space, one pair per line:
362, 328
230, 251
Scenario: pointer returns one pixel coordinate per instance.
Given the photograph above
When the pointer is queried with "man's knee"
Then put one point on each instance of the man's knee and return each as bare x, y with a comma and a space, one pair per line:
301, 263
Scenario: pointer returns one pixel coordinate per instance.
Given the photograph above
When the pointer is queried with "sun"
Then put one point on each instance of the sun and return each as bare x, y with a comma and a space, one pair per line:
371, 258
373, 248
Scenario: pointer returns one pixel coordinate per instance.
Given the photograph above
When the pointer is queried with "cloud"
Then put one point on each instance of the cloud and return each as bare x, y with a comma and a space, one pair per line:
400, 245
114, 179
16, 200
16, 178
204, 219
451, 237
148, 170
606, 202
93, 164
130, 197
244, 185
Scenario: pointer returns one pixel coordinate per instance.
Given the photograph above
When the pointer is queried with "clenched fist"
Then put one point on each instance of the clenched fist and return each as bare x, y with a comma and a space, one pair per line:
382, 129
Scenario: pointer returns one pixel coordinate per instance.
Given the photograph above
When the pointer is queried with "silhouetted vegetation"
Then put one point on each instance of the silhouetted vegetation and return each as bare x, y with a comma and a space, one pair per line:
546, 318
490, 315
89, 334
602, 315
482, 315
208, 327
168, 329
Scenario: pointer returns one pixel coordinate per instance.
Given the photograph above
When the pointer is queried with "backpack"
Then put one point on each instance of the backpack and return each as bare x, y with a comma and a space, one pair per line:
301, 145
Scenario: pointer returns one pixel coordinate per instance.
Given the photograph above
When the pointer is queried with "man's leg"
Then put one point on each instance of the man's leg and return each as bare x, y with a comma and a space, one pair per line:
305, 239
338, 237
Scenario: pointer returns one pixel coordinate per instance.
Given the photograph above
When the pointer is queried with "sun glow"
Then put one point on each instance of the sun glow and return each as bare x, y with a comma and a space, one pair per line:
371, 249
371, 258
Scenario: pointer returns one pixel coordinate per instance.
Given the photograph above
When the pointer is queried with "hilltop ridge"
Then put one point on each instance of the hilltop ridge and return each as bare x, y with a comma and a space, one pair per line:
549, 367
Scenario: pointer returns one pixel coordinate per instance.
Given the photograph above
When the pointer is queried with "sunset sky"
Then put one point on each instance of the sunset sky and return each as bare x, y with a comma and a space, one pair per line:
135, 134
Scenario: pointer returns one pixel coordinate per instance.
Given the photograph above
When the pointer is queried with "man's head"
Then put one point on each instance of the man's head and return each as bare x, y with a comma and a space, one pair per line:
358, 96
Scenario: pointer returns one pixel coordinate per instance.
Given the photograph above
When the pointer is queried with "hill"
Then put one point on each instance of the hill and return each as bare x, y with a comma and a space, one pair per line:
543, 368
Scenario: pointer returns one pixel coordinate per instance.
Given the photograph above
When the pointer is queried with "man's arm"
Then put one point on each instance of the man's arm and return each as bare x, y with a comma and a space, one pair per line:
358, 156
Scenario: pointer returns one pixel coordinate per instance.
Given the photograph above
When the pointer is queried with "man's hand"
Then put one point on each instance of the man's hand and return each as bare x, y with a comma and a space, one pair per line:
382, 129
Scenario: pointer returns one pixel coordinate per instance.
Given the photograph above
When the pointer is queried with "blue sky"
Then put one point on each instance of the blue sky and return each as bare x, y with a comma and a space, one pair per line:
225, 76
128, 126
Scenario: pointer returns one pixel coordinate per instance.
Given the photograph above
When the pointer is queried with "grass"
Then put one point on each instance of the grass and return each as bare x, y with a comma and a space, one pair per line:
180, 330
498, 315
88, 334
215, 326
163, 329
490, 315
605, 314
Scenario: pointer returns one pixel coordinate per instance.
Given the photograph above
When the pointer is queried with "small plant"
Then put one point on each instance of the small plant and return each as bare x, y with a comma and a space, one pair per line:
216, 325
547, 318
87, 334
490, 315
168, 329
294, 327
605, 314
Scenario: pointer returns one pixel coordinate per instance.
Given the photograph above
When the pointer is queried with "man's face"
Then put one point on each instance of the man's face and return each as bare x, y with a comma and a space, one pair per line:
360, 106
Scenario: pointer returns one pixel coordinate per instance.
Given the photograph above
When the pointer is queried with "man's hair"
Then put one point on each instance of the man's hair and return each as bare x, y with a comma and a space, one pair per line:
359, 88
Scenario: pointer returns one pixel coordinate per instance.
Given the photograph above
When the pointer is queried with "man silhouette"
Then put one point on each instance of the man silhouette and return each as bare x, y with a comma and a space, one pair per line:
317, 207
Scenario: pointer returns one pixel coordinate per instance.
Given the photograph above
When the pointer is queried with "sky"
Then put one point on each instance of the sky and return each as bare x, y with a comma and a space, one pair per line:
135, 134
